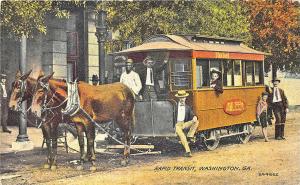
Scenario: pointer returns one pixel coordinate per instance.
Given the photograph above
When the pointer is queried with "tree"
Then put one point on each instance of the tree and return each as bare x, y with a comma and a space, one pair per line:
18, 18
138, 20
275, 29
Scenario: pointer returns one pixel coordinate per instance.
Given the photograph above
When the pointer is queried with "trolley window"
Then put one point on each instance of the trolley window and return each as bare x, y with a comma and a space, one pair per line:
202, 73
180, 74
249, 72
258, 73
237, 73
228, 73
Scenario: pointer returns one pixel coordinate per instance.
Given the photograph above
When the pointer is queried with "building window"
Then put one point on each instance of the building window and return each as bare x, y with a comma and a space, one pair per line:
180, 74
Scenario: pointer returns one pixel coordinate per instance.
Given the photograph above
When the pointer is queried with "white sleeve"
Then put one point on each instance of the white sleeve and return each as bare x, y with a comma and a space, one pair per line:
138, 84
121, 78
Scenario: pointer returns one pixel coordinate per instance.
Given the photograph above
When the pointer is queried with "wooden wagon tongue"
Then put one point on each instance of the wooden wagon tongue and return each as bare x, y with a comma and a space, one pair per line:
73, 103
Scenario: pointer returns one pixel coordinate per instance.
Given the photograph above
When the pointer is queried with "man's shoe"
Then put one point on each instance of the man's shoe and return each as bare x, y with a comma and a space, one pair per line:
6, 130
191, 139
188, 154
277, 138
282, 138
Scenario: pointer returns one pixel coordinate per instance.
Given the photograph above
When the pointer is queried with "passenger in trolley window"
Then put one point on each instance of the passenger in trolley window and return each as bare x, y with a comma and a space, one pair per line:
131, 79
280, 109
186, 119
262, 114
216, 81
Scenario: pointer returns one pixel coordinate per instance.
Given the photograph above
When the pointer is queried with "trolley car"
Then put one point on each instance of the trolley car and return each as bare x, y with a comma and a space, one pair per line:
190, 60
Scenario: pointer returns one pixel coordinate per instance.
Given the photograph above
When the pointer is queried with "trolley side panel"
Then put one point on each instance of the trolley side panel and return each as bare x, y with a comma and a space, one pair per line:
210, 108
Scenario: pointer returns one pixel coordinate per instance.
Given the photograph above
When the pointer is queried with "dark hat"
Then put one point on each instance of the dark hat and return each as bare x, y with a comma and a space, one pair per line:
264, 94
95, 78
3, 76
276, 79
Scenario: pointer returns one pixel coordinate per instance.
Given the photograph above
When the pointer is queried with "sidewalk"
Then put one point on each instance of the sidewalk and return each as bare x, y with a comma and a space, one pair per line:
6, 139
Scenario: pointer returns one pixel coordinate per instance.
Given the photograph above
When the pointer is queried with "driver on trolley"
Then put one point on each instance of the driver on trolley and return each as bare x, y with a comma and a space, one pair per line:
186, 119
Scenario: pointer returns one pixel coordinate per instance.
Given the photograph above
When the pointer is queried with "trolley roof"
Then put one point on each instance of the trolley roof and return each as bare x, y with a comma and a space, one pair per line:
192, 43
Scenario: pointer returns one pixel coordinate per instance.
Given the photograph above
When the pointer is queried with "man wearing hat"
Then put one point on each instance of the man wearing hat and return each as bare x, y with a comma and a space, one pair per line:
131, 79
280, 108
4, 103
186, 119
216, 81
151, 78
95, 79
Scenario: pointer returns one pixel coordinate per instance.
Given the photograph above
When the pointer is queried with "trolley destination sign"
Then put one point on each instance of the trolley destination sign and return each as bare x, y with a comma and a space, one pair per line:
234, 107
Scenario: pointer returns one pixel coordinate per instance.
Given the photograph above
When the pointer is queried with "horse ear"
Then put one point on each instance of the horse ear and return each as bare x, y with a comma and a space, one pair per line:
41, 74
18, 74
24, 77
47, 78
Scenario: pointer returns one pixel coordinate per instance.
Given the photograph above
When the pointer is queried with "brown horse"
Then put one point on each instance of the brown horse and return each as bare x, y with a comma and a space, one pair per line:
101, 103
22, 90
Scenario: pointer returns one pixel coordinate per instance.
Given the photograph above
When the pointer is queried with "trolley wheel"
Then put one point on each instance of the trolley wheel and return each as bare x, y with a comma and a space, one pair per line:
212, 140
245, 137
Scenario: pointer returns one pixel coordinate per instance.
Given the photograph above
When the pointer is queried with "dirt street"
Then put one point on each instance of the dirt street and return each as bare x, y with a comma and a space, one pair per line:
257, 162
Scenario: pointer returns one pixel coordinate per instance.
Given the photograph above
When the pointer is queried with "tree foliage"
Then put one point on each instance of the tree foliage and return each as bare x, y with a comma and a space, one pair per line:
138, 20
275, 29
19, 18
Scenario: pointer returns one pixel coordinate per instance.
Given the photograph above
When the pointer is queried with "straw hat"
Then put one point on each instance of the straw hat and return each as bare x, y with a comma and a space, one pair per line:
181, 94
3, 76
214, 70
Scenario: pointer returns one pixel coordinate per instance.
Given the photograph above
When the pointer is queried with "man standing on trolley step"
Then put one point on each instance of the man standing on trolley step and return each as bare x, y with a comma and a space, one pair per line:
280, 108
186, 119
131, 79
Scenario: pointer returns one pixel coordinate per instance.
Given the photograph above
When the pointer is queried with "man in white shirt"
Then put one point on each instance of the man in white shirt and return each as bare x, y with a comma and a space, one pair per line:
186, 119
280, 108
131, 79
4, 103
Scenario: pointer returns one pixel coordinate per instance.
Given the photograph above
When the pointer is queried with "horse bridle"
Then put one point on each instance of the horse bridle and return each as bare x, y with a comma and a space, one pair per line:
44, 107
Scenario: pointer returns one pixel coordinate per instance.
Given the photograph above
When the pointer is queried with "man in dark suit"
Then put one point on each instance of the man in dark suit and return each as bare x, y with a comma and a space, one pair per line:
4, 103
150, 78
186, 119
280, 108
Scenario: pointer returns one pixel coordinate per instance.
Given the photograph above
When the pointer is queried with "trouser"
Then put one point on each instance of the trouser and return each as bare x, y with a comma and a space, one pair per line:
4, 113
280, 116
180, 126
279, 131
149, 93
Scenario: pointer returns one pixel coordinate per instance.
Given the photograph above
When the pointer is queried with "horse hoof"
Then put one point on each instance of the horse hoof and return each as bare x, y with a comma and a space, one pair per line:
46, 166
124, 162
53, 167
80, 167
93, 168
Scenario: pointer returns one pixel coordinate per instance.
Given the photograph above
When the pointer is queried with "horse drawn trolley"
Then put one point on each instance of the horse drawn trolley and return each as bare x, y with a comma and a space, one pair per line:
191, 58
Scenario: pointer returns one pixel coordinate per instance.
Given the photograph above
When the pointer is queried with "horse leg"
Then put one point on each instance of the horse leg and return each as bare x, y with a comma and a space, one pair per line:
124, 122
54, 145
90, 135
46, 136
80, 132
